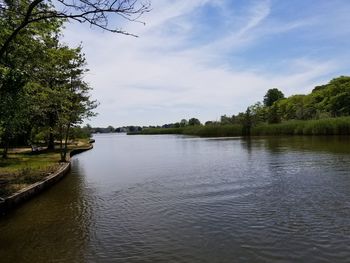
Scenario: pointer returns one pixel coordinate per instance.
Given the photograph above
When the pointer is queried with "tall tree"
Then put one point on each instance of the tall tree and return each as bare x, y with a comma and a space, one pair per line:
272, 96
74, 103
17, 70
193, 122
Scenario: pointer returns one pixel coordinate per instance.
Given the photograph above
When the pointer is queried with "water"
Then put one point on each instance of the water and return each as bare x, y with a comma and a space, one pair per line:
185, 199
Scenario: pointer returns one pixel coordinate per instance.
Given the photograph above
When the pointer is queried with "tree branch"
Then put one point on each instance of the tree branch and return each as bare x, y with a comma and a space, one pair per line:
84, 11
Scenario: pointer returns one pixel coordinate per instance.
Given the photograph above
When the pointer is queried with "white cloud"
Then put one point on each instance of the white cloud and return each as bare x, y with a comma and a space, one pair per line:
163, 77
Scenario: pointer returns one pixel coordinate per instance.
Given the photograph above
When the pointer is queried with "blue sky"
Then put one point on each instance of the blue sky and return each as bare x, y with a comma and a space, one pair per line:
206, 58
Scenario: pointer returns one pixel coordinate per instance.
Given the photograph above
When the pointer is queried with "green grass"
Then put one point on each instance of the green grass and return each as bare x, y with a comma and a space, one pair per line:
17, 161
22, 167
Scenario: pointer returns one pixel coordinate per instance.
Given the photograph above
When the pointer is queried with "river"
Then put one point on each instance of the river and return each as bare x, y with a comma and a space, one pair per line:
186, 199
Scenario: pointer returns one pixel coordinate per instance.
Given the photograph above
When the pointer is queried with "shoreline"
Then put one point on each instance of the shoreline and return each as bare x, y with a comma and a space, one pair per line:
16, 199
322, 127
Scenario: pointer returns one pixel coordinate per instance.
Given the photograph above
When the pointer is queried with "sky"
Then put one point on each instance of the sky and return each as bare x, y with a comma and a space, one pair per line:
207, 58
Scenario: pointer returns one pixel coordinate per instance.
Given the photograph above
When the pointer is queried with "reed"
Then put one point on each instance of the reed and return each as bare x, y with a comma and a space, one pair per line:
329, 126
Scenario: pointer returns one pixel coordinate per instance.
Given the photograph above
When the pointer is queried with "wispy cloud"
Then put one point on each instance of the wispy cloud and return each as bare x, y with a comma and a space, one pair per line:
175, 71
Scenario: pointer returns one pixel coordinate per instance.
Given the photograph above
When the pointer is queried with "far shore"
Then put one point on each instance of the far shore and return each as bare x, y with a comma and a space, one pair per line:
328, 126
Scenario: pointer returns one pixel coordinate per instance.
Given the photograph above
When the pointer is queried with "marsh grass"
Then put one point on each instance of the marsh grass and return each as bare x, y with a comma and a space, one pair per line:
330, 126
214, 131
202, 131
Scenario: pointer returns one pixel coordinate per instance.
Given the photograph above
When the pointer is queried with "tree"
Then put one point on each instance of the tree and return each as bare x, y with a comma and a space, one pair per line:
258, 113
183, 123
272, 96
24, 13
16, 72
74, 100
273, 114
193, 122
247, 122
224, 120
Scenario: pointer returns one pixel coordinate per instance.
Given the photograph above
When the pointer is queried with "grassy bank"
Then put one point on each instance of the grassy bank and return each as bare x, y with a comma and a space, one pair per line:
202, 131
330, 126
22, 167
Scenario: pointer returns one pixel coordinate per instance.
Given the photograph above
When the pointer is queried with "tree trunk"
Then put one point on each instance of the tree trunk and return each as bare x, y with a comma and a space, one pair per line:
6, 147
66, 142
51, 143
63, 159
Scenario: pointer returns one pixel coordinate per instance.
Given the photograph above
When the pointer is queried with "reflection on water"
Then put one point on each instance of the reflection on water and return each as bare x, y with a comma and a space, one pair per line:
185, 199
53, 226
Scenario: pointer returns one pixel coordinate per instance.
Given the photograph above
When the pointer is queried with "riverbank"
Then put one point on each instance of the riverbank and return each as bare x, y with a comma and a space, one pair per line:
329, 126
25, 173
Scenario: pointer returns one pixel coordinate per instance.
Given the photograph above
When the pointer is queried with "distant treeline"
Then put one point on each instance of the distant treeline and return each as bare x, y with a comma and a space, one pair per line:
329, 126
111, 129
324, 111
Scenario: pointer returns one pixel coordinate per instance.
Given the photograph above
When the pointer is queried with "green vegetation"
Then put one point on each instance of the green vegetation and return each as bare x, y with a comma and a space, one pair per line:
156, 131
43, 97
214, 131
325, 111
41, 85
272, 96
329, 126
23, 167
199, 130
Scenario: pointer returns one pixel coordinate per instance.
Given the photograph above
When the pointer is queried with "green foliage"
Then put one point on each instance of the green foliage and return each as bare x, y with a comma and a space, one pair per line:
247, 123
330, 126
272, 96
41, 81
80, 132
214, 131
224, 120
258, 112
183, 123
203, 131
159, 131
193, 122
324, 111
331, 100
273, 115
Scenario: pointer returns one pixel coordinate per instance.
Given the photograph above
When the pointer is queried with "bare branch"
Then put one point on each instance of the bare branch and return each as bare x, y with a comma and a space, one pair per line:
96, 13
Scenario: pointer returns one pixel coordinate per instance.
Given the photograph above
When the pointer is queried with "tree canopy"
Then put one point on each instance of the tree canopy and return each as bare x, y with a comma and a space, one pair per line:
272, 96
